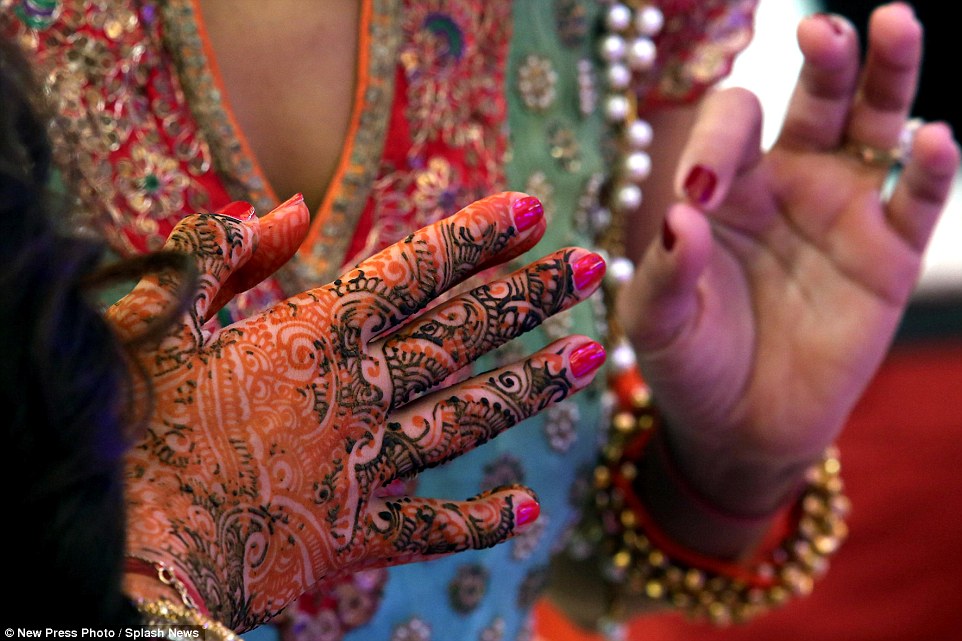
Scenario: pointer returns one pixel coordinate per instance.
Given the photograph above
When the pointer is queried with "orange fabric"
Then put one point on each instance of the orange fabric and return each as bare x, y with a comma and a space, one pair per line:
897, 577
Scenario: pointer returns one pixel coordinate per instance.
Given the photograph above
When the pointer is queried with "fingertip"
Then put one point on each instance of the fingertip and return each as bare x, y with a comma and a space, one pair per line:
724, 141
528, 211
825, 38
587, 272
936, 148
526, 512
587, 358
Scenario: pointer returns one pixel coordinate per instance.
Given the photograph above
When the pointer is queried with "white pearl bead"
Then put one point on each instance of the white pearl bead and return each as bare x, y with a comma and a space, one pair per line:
649, 21
628, 197
616, 108
613, 48
618, 17
638, 134
623, 357
600, 218
619, 76
621, 269
637, 166
641, 54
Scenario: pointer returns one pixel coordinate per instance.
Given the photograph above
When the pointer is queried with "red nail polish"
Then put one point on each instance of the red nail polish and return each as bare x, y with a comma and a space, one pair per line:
527, 212
526, 513
700, 184
586, 359
237, 209
588, 271
667, 235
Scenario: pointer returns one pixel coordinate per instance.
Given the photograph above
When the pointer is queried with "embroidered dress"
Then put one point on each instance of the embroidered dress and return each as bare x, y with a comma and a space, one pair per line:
455, 100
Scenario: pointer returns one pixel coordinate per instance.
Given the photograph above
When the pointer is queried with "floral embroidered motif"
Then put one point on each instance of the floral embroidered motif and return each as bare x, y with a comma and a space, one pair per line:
537, 80
494, 632
505, 470
468, 587
559, 426
532, 587
414, 630
450, 97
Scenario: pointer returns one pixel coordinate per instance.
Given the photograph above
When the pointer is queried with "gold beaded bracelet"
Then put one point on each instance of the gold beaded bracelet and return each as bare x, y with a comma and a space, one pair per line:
640, 561
168, 614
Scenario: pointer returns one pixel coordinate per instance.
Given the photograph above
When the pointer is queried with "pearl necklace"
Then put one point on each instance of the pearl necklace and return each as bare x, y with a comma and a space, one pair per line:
628, 50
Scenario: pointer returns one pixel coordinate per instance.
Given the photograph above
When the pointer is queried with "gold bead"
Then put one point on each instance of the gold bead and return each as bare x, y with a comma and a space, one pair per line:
654, 589
624, 422
622, 559
602, 477
694, 579
641, 398
657, 558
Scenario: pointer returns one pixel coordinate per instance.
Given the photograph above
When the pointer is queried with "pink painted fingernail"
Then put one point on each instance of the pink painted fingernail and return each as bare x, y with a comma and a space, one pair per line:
526, 513
527, 212
700, 184
587, 359
588, 271
238, 209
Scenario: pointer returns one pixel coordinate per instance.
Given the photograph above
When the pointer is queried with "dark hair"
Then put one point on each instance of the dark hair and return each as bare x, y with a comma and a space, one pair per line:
63, 382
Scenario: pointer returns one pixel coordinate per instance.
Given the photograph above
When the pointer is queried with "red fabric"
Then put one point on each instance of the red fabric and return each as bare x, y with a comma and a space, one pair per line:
898, 576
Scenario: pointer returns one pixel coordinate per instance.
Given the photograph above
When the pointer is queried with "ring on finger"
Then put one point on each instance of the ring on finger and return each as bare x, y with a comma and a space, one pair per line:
885, 158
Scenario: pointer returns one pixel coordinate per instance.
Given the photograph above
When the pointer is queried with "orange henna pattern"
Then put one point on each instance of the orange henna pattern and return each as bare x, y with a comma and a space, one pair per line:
269, 441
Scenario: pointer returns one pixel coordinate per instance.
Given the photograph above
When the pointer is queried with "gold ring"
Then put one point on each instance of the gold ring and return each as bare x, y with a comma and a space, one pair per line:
878, 157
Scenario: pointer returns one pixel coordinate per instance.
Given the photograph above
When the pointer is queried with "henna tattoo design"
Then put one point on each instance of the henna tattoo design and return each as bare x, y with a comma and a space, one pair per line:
269, 440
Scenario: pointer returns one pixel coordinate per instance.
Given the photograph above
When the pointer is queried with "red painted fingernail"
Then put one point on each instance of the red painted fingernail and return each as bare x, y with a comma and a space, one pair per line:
237, 209
588, 271
831, 21
667, 235
587, 359
700, 184
526, 513
527, 212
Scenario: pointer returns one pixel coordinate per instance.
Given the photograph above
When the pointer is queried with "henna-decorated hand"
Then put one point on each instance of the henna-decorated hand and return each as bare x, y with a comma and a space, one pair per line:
270, 441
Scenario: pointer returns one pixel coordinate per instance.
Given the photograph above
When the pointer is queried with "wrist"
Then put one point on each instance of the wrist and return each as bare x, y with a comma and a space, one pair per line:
743, 472
720, 507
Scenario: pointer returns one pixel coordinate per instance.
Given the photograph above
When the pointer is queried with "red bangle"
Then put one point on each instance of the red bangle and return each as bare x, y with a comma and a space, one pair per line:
640, 559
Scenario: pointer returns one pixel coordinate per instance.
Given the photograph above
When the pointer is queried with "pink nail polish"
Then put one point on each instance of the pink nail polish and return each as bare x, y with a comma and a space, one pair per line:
667, 235
587, 359
700, 184
527, 212
588, 271
526, 513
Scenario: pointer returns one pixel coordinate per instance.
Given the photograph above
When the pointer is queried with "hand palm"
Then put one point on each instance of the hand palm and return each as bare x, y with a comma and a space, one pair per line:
803, 289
